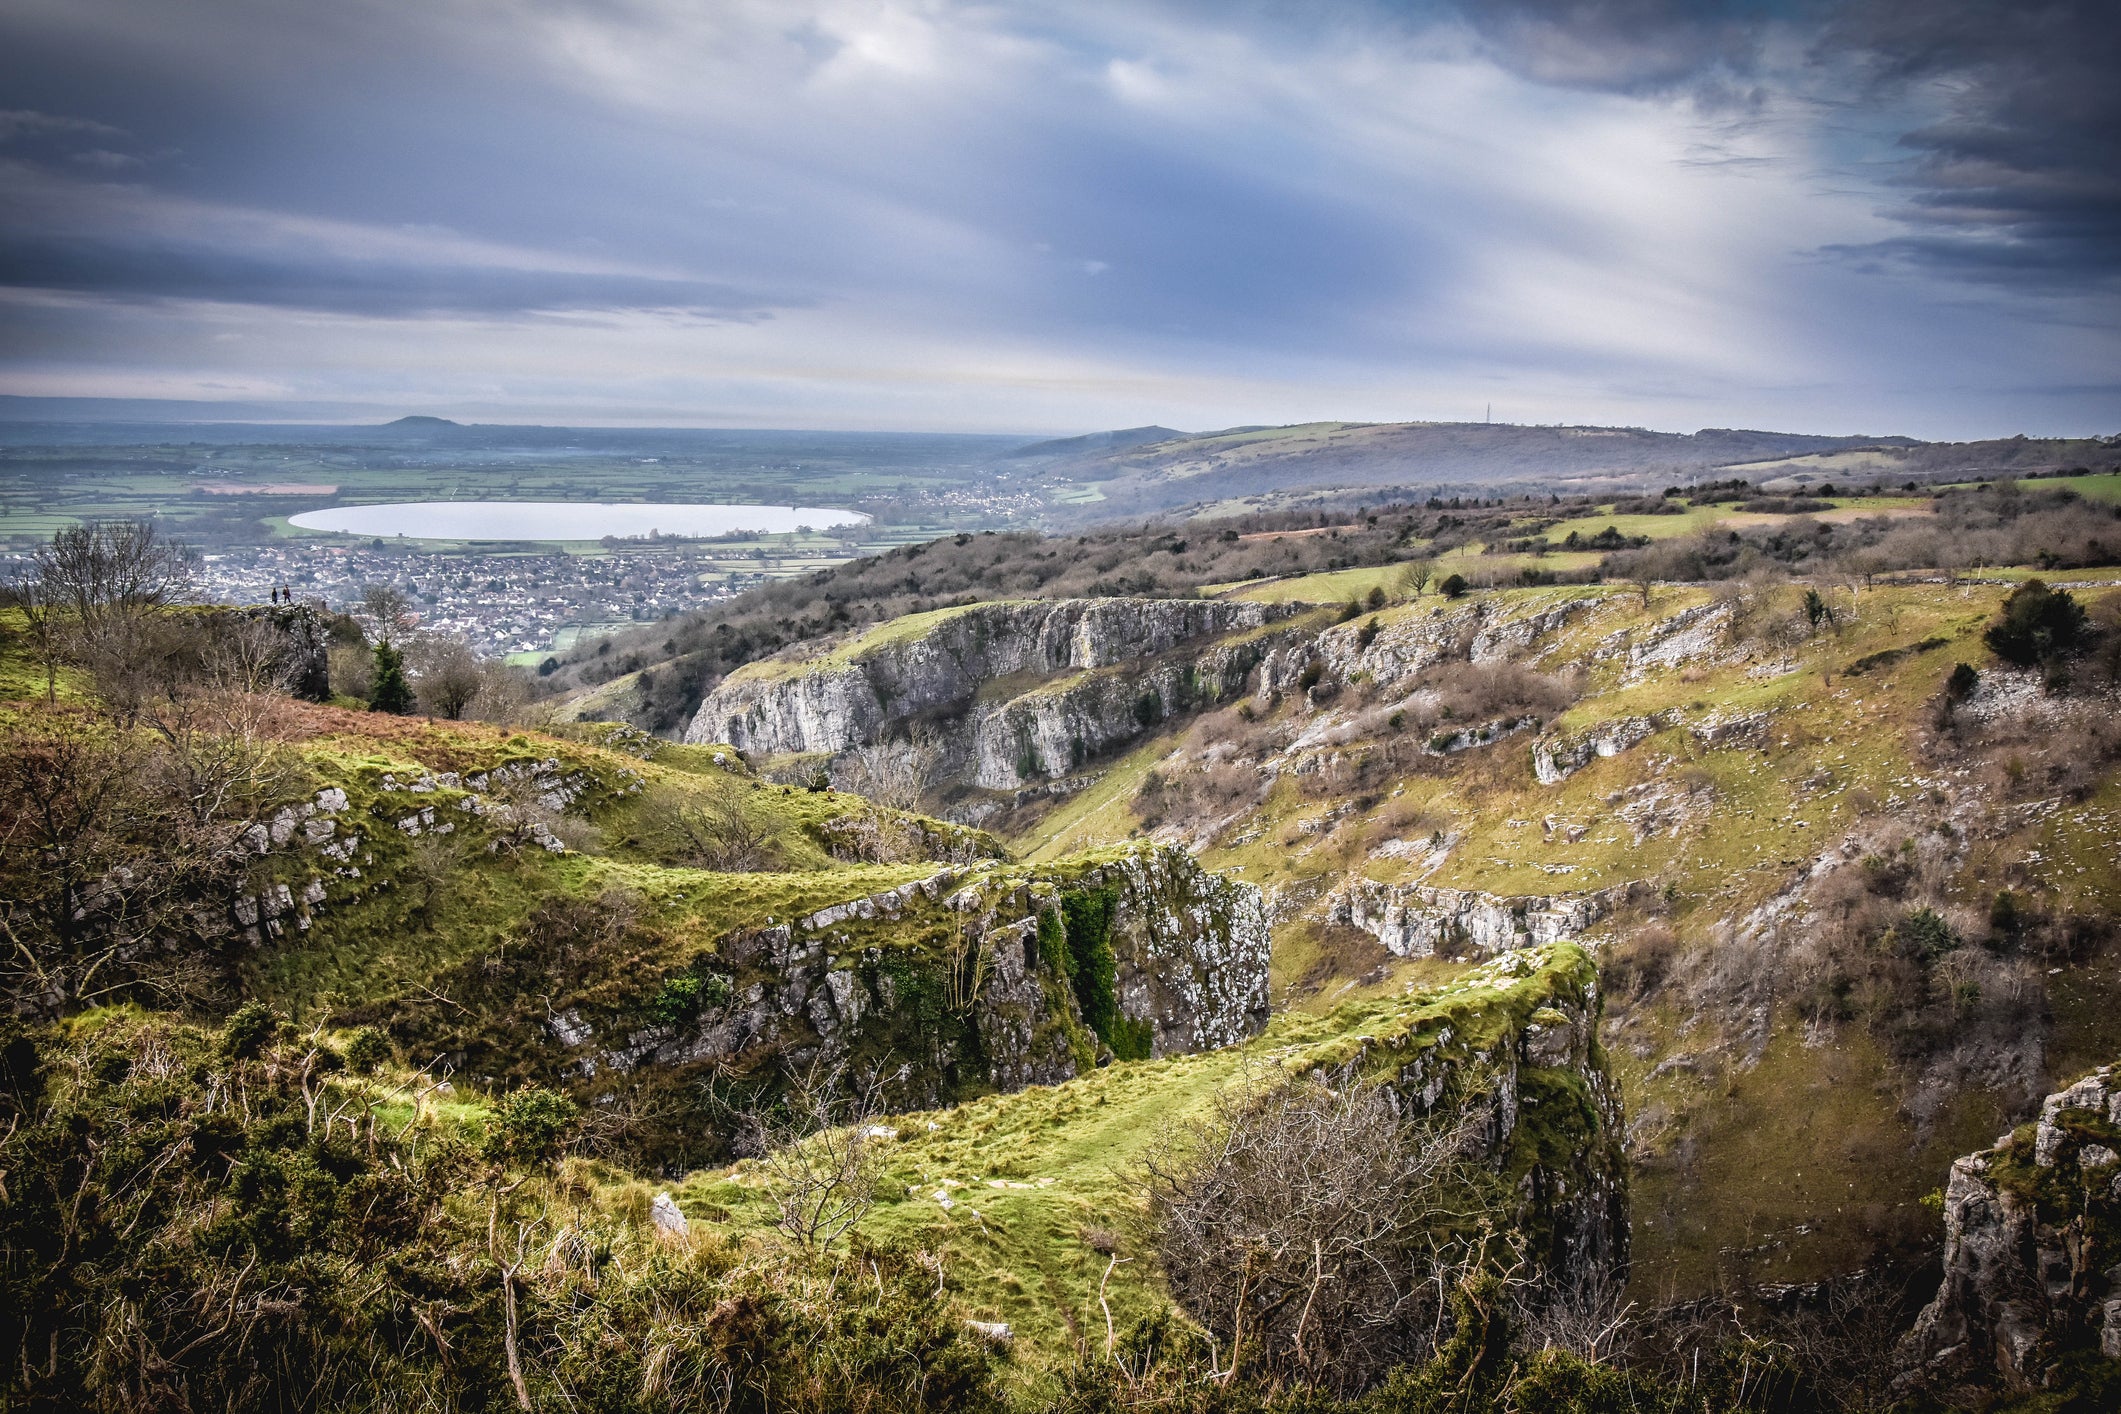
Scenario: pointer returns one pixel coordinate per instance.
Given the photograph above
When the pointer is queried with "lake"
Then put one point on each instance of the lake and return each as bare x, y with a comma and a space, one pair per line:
565, 520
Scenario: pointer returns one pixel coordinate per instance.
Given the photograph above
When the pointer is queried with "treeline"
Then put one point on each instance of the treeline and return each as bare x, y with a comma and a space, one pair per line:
2006, 524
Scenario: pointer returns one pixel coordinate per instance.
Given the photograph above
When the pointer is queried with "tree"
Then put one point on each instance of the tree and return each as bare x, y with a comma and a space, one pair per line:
895, 773
389, 691
91, 593
449, 676
388, 607
100, 568
41, 619
723, 830
1453, 587
108, 846
1305, 1224
2037, 625
1816, 609
823, 1154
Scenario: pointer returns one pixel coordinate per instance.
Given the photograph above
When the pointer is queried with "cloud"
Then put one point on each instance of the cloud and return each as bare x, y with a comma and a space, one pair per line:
898, 210
132, 242
2007, 114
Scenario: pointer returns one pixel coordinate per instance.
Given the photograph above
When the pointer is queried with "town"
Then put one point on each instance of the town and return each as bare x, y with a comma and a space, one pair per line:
504, 603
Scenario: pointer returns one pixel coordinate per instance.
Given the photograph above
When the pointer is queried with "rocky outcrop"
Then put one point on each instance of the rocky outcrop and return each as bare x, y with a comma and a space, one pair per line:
1412, 640
1515, 1043
1098, 672
981, 977
1556, 757
2032, 1249
1418, 920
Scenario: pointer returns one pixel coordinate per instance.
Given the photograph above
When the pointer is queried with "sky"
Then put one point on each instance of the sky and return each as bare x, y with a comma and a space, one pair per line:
1836, 216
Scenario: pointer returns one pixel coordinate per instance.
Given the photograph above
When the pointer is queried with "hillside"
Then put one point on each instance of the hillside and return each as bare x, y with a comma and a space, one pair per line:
1260, 466
1844, 908
1653, 899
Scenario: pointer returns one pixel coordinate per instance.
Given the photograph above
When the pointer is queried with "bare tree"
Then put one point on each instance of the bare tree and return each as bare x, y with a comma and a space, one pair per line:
107, 847
42, 618
446, 675
724, 829
104, 567
249, 657
822, 1151
896, 774
1305, 1224
388, 609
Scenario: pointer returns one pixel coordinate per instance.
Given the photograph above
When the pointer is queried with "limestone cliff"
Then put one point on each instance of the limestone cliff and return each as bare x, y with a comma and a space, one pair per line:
971, 978
1089, 674
1418, 920
2032, 1249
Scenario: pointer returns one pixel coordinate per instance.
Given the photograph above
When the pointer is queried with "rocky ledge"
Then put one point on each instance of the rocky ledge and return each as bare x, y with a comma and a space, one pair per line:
2032, 1250
983, 977
1421, 920
1515, 1043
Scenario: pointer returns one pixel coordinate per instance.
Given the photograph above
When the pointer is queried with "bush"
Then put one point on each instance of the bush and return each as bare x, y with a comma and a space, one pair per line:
2036, 625
530, 1126
1453, 587
1302, 1223
245, 1034
368, 1050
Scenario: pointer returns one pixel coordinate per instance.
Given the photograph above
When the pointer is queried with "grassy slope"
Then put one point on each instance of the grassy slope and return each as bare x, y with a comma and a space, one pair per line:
1037, 1177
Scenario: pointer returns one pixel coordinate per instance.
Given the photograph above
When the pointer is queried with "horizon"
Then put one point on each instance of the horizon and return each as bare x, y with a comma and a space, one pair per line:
172, 419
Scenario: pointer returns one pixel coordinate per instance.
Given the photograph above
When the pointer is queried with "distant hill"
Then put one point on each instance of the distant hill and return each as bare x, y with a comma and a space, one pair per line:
1093, 442
1269, 464
420, 422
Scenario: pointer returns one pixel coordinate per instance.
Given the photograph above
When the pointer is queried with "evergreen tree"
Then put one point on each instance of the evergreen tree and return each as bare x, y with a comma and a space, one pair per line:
391, 692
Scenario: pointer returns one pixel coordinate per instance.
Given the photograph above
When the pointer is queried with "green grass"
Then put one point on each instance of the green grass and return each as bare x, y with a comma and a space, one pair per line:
1035, 1177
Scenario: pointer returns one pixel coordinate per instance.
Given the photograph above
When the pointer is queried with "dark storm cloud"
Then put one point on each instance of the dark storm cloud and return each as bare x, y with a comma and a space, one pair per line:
2020, 177
2012, 110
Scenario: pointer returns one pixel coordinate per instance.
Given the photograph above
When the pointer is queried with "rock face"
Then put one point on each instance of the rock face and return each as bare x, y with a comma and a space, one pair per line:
987, 976
1477, 631
1516, 1042
2032, 1248
1417, 920
1557, 757
304, 663
1095, 672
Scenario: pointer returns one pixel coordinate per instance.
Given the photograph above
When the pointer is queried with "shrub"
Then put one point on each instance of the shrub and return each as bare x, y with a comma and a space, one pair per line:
2036, 625
1301, 1222
1453, 587
368, 1050
246, 1032
530, 1126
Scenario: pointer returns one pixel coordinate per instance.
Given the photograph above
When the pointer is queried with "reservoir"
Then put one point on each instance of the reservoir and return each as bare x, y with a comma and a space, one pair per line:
565, 520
